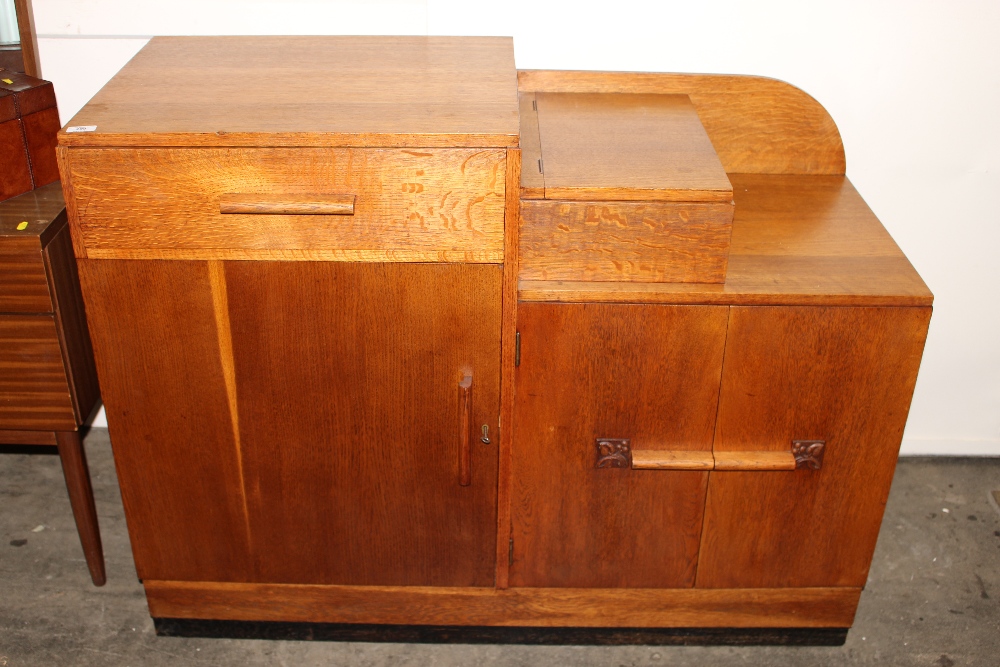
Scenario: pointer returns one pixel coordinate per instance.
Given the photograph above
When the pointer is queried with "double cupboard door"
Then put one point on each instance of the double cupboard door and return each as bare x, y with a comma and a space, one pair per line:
303, 422
672, 446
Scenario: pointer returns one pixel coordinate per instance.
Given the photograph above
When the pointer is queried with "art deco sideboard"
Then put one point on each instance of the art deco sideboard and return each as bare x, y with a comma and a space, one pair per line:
405, 337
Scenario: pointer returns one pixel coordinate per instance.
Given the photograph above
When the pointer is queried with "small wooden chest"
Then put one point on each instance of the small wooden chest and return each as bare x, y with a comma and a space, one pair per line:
29, 121
621, 187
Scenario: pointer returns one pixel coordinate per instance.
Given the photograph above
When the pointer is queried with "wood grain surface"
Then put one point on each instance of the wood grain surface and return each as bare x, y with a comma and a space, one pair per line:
8, 109
33, 389
797, 240
10, 437
15, 171
347, 383
843, 375
626, 148
81, 499
321, 91
23, 287
40, 208
757, 125
417, 203
31, 94
655, 459
156, 345
532, 179
754, 460
27, 36
69, 194
71, 321
310, 204
508, 359
625, 241
588, 371
544, 607
40, 131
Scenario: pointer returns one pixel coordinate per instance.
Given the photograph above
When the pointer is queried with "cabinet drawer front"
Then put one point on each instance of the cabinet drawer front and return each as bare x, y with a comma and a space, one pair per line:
34, 394
684, 242
23, 287
408, 205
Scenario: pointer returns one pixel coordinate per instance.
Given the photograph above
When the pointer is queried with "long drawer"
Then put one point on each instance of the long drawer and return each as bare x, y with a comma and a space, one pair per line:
27, 225
23, 284
34, 394
348, 204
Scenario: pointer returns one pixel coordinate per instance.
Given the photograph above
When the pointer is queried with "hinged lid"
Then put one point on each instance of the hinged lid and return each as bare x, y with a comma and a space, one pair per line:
618, 147
30, 95
620, 187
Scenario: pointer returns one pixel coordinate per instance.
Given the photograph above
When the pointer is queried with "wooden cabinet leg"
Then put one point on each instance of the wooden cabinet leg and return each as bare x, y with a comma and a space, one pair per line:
81, 498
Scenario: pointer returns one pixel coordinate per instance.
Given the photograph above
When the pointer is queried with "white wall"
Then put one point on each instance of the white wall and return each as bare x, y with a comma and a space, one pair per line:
914, 87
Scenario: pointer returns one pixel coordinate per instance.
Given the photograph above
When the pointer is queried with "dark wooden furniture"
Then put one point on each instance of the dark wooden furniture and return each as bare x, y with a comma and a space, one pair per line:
48, 383
11, 58
28, 36
29, 121
332, 400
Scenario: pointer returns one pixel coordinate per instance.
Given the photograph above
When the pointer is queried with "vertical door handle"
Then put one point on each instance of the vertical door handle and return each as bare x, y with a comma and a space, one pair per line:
465, 430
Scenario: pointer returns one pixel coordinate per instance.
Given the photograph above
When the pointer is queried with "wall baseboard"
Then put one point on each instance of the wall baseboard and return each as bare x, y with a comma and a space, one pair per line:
950, 447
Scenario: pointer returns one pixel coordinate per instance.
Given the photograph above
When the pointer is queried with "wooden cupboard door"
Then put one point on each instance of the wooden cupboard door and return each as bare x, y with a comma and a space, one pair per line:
588, 371
156, 344
347, 382
844, 376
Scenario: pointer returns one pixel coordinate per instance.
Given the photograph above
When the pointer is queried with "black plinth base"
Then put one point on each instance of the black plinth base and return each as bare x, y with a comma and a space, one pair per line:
450, 634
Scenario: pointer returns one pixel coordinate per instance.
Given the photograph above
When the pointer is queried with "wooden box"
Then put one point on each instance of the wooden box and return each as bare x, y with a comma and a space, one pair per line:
29, 122
15, 172
621, 187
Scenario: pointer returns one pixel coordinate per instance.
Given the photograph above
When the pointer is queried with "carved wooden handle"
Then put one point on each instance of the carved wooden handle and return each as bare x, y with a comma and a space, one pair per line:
646, 459
287, 204
651, 459
618, 453
465, 430
750, 461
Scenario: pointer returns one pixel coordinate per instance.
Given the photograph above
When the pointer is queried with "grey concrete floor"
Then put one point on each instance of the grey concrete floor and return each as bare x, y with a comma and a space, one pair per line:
932, 595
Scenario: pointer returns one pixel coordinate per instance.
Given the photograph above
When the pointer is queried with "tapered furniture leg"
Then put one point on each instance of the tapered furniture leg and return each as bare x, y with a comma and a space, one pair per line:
81, 498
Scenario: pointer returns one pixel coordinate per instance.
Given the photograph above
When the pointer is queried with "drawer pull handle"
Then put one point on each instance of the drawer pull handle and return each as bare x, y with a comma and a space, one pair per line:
465, 430
287, 204
651, 459
750, 461
618, 453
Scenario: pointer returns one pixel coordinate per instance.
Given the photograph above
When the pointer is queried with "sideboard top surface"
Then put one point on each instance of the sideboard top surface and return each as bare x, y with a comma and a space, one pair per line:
308, 91
797, 240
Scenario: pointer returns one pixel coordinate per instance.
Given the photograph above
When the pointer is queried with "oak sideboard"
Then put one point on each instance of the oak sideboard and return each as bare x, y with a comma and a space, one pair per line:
392, 335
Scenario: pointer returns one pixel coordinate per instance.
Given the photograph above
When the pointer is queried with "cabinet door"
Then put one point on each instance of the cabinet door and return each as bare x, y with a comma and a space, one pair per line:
645, 373
299, 422
163, 382
843, 376
347, 380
